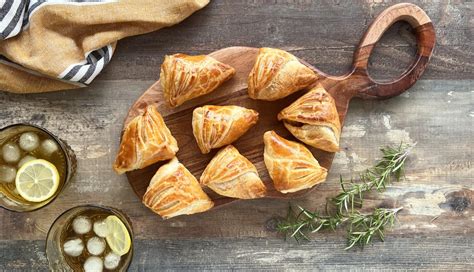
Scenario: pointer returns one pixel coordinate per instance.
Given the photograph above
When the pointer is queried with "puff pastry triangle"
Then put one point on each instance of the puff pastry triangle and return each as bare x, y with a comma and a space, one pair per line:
145, 141
291, 165
277, 74
231, 174
314, 120
174, 191
217, 126
185, 77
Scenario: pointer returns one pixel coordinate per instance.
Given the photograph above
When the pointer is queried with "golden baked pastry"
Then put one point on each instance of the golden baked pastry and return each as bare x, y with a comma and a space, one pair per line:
185, 77
174, 191
145, 140
314, 120
277, 74
231, 174
217, 126
291, 165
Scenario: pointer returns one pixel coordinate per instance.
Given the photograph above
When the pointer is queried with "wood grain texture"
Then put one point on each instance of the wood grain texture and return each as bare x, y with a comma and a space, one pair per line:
451, 253
435, 230
323, 33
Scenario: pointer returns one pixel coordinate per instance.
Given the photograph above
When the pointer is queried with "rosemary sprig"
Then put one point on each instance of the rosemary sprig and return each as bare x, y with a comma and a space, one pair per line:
377, 177
362, 227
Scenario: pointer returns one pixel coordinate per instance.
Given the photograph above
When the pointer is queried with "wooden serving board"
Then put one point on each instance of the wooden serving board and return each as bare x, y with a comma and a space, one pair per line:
356, 83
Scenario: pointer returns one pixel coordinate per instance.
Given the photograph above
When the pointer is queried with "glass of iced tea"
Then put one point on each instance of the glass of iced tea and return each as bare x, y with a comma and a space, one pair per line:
35, 166
90, 238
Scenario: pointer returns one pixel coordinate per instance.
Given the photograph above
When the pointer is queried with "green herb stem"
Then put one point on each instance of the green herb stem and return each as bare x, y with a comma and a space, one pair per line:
364, 227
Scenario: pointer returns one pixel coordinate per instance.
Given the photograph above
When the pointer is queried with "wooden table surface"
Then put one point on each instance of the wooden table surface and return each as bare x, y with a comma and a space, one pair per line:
436, 226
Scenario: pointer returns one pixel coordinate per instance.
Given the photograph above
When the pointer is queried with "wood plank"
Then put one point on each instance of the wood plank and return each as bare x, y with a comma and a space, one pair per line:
254, 254
325, 34
435, 113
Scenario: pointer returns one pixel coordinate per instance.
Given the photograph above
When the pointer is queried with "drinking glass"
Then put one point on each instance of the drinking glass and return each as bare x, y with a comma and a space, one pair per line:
56, 237
65, 162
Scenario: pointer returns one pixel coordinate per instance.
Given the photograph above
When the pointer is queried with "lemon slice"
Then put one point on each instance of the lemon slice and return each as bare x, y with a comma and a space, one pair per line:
37, 180
117, 237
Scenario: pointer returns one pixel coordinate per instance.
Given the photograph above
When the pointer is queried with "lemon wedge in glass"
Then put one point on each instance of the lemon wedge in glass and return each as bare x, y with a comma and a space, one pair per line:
37, 180
118, 237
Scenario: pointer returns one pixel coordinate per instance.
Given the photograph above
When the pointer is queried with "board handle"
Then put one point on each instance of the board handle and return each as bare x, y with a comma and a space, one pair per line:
425, 38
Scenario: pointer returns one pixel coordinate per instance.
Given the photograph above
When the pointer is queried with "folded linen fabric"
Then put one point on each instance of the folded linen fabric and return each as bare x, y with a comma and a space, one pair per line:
48, 45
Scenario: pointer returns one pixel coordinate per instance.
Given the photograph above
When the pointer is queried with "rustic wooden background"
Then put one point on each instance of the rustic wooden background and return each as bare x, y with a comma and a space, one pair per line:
436, 227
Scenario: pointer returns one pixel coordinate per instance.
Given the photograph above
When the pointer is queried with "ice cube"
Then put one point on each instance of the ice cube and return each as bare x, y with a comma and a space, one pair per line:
25, 159
73, 247
93, 264
11, 152
111, 261
49, 147
7, 173
29, 141
100, 228
81, 225
96, 245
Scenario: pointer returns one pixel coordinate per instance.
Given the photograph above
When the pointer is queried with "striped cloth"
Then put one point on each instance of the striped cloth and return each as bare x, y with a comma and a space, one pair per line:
49, 45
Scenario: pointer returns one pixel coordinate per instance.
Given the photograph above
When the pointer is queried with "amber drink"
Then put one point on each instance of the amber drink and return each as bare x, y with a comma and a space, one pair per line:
21, 144
83, 239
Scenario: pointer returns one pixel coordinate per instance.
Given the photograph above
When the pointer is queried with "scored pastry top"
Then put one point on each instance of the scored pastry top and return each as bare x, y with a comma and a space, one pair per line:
314, 120
145, 140
185, 77
174, 191
291, 166
217, 126
231, 174
277, 74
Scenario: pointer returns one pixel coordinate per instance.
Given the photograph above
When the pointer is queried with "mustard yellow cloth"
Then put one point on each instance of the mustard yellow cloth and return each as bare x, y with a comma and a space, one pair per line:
59, 44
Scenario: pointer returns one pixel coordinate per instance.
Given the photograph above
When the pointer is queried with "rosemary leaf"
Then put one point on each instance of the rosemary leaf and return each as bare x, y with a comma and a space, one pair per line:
297, 225
364, 227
